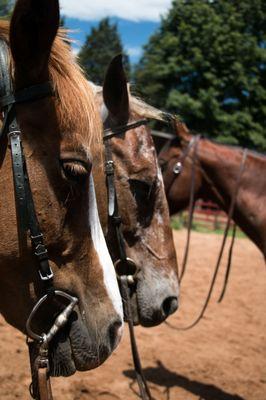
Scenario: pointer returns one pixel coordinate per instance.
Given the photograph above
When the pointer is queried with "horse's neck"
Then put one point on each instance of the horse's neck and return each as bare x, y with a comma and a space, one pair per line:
221, 166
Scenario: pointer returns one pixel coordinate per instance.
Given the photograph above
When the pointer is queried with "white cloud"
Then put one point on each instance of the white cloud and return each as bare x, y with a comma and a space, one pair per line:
134, 51
76, 50
138, 10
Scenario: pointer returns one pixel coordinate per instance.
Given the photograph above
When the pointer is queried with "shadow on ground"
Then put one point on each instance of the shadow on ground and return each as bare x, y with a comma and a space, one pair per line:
164, 377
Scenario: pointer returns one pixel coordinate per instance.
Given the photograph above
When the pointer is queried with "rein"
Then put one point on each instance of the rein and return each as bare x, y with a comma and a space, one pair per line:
229, 218
177, 169
193, 144
27, 222
126, 268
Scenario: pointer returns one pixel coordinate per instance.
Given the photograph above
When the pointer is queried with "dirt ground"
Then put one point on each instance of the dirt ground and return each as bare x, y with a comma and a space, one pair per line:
223, 358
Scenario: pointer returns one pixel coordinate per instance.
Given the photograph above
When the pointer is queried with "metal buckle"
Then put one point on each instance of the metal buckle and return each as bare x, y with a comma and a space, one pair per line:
41, 251
132, 269
48, 275
177, 168
60, 321
109, 167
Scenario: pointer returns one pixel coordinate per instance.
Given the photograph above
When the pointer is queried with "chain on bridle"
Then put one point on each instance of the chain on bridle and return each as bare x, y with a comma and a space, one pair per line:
27, 222
126, 268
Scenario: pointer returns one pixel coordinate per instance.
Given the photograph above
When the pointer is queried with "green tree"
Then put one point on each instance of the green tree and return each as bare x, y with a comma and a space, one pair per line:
6, 7
101, 45
207, 63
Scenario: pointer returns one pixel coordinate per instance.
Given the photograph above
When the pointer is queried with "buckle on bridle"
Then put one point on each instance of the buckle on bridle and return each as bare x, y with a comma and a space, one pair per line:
48, 275
128, 268
109, 167
40, 251
177, 168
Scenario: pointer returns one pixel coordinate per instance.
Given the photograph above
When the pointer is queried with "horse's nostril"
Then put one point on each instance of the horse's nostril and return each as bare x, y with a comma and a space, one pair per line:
115, 333
170, 305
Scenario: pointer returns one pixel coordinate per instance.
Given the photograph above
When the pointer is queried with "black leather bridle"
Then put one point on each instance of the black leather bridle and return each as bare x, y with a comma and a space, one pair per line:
27, 221
126, 268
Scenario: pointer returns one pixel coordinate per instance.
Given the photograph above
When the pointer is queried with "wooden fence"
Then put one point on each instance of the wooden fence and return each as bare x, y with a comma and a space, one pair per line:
207, 215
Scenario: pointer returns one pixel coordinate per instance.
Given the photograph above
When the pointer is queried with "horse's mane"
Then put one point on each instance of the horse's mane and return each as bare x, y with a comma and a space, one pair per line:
252, 152
77, 109
137, 106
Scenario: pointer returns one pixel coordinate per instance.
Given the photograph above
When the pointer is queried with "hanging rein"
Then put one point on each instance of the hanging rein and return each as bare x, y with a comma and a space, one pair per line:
126, 268
27, 223
192, 145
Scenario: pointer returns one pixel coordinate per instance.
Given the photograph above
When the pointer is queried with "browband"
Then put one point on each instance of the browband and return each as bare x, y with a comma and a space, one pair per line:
28, 94
111, 132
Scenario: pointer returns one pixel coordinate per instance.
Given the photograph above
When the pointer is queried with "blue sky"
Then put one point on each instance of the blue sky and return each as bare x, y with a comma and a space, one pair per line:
133, 34
137, 20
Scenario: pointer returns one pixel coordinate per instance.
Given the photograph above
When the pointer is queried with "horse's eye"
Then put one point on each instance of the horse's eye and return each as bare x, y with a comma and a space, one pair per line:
75, 171
141, 190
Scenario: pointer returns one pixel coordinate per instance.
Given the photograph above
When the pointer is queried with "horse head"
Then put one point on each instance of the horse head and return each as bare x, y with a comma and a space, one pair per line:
141, 203
61, 137
179, 163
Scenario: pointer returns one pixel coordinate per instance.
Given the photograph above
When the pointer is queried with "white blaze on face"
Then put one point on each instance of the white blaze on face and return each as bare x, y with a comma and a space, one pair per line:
100, 246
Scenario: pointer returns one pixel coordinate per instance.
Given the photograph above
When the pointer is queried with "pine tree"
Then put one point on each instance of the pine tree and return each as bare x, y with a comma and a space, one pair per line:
101, 45
207, 62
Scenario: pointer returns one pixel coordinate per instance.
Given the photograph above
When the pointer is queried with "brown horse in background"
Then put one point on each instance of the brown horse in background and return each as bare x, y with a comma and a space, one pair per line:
61, 140
141, 200
216, 171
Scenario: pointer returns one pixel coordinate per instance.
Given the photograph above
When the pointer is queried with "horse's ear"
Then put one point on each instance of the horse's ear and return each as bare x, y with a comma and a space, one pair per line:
115, 93
33, 28
182, 130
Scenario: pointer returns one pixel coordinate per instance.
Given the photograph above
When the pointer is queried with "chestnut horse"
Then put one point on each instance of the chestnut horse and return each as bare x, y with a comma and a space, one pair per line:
61, 137
216, 170
141, 201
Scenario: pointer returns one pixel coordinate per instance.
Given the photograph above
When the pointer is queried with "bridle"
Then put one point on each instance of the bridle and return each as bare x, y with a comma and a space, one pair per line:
27, 222
192, 146
126, 268
177, 170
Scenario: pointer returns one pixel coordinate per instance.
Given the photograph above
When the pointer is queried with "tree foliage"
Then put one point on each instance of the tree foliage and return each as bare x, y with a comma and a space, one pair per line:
6, 7
207, 63
101, 45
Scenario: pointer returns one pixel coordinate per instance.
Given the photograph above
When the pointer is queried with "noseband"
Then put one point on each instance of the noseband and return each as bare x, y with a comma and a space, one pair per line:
126, 268
27, 221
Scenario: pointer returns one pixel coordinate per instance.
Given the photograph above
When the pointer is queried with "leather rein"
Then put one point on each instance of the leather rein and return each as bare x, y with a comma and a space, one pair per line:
177, 170
126, 268
27, 223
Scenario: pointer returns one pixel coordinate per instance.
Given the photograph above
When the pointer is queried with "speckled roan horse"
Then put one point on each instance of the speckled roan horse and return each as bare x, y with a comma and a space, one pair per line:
62, 135
216, 170
141, 200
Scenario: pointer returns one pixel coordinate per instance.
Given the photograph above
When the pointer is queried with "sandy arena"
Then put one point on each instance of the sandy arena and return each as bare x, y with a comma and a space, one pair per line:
223, 358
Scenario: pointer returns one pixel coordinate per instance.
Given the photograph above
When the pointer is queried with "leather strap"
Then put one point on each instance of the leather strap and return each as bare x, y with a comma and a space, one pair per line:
229, 264
191, 205
40, 388
142, 383
28, 94
111, 132
126, 266
217, 267
44, 383
25, 210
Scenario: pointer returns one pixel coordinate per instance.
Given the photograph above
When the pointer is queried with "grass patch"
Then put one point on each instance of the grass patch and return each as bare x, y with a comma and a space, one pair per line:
180, 222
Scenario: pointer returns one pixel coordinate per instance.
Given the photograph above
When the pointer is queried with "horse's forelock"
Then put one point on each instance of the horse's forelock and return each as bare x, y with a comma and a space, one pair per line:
77, 110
